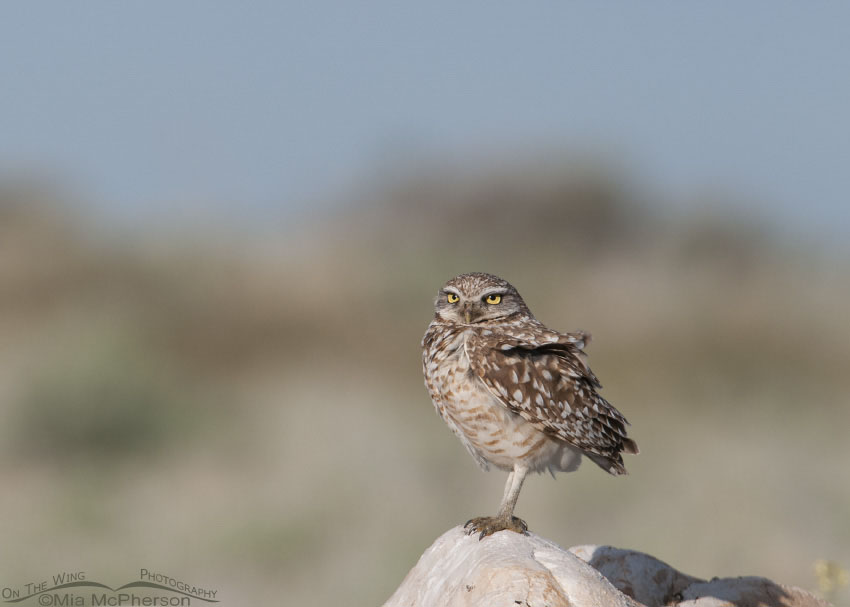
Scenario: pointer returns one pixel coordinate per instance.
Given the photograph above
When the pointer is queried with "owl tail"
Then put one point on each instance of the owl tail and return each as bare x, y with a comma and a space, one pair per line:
613, 462
630, 446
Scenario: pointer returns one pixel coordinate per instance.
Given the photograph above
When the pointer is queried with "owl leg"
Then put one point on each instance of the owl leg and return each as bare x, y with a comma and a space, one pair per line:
507, 490
487, 525
512, 488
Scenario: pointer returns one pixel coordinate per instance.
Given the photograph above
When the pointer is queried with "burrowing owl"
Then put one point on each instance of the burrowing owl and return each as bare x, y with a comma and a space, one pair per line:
520, 396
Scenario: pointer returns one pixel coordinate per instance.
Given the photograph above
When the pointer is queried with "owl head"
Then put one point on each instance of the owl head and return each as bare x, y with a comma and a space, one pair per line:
477, 297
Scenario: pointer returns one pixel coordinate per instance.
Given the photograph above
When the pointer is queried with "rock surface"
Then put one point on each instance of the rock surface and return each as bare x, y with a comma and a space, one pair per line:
644, 578
508, 569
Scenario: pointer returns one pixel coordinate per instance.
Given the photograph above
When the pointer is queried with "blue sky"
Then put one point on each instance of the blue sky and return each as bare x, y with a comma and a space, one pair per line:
271, 105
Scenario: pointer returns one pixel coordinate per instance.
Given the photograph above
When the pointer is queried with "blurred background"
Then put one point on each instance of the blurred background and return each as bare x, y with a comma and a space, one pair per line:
222, 227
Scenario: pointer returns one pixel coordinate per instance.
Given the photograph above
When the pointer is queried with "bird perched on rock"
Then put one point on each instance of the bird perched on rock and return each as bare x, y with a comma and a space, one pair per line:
519, 396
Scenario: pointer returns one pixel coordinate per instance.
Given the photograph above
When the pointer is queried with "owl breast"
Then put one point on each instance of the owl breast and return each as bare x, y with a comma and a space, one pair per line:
492, 433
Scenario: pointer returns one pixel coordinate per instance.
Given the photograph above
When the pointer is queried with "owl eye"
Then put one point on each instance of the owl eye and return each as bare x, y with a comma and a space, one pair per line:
493, 299
452, 298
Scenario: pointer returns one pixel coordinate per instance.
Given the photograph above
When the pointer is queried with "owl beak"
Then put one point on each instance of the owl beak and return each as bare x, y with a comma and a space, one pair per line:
467, 313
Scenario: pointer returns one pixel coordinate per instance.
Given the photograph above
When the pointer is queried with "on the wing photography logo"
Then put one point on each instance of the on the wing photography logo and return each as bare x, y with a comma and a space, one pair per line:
75, 589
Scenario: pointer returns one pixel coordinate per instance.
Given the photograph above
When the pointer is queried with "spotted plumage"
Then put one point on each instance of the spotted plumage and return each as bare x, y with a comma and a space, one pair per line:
520, 396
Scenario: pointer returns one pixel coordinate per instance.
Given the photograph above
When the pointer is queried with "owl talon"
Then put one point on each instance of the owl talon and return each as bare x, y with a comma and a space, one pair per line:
488, 525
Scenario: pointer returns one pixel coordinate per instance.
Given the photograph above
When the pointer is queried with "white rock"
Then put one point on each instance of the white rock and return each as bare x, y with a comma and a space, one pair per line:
510, 570
747, 592
506, 569
656, 584
643, 577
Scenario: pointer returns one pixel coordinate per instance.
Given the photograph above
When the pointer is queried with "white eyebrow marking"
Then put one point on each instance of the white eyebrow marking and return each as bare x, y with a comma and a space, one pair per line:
488, 292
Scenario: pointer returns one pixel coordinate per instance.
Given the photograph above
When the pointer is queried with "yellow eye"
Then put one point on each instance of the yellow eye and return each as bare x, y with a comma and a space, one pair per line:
452, 298
493, 299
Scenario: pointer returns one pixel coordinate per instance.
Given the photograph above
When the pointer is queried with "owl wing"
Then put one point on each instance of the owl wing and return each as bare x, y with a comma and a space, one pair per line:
543, 376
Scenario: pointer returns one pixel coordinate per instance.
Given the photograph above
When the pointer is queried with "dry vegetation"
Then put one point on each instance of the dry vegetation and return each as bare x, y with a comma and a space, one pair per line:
216, 406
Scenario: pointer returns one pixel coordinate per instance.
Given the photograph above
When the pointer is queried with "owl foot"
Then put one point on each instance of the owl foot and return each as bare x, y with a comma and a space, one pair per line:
488, 525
